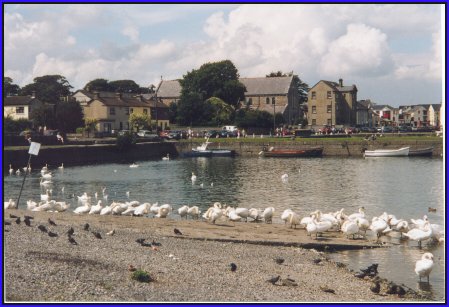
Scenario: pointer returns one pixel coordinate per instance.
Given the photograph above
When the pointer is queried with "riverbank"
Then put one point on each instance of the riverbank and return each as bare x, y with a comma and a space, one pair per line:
192, 267
248, 147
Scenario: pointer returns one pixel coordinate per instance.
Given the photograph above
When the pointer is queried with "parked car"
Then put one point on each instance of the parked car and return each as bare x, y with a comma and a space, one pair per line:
405, 129
174, 135
165, 134
29, 133
212, 134
150, 135
50, 132
123, 132
367, 129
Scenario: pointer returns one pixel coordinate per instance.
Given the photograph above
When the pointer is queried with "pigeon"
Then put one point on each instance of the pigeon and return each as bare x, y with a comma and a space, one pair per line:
148, 244
18, 221
326, 289
27, 217
233, 267
111, 233
86, 227
97, 235
140, 241
51, 222
375, 287
27, 222
42, 228
317, 260
288, 282
274, 279
72, 241
13, 216
52, 234
71, 231
177, 232
279, 260
155, 243
7, 223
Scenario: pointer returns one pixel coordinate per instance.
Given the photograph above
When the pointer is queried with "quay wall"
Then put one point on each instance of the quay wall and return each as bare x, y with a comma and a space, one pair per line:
108, 153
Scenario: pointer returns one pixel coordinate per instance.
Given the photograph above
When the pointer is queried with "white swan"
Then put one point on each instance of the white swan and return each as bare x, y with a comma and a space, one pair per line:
82, 209
44, 168
96, 209
361, 213
164, 211
46, 196
233, 216
10, 204
166, 158
107, 209
293, 219
31, 204
350, 228
142, 209
363, 224
61, 206
243, 213
11, 170
47, 176
424, 266
193, 178
129, 210
194, 212
134, 165
45, 182
316, 228
267, 215
119, 208
47, 206
18, 172
62, 166
417, 234
285, 215
420, 222
182, 211
402, 227
84, 198
214, 215
254, 213
378, 226
284, 178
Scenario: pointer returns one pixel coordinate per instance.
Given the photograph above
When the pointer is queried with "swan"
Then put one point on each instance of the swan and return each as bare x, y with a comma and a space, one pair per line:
11, 170
363, 224
419, 235
194, 212
45, 168
293, 219
82, 209
129, 210
233, 216
154, 208
46, 196
215, 214
107, 209
267, 215
31, 204
183, 211
134, 165
284, 178
424, 266
254, 214
10, 204
350, 228
361, 213
127, 194
164, 211
193, 178
285, 214
45, 182
62, 166
420, 222
47, 176
166, 158
96, 209
61, 206
402, 227
142, 209
119, 208
379, 226
18, 172
317, 227
243, 213
84, 198
47, 206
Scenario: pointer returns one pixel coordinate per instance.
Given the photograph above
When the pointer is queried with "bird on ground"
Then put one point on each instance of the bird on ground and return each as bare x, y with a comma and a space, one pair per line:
166, 158
52, 234
177, 232
111, 233
10, 204
62, 166
424, 266
51, 222
27, 222
6, 223
18, 221
71, 231
418, 234
13, 216
233, 267
194, 212
72, 241
288, 282
375, 287
86, 227
267, 215
284, 178
27, 217
18, 172
285, 215
327, 289
97, 235
183, 211
11, 170
42, 228
96, 209
274, 279
279, 260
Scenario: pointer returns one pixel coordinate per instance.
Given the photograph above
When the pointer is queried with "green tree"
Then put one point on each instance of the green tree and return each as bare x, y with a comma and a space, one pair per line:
9, 88
16, 125
173, 112
91, 125
139, 121
125, 86
98, 85
191, 110
222, 112
49, 88
69, 116
43, 115
253, 118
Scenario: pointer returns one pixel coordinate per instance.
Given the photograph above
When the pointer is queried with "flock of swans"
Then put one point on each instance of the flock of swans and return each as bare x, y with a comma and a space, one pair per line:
354, 225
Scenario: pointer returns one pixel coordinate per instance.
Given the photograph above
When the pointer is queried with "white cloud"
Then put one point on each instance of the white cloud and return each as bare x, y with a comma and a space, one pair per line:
132, 33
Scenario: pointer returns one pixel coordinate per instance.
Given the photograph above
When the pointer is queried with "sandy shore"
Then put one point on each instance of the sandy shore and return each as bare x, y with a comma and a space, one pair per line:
192, 267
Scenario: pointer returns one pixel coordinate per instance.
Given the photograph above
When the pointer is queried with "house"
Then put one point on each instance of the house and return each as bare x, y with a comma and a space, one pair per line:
418, 116
364, 114
383, 115
112, 110
434, 115
331, 103
20, 107
271, 94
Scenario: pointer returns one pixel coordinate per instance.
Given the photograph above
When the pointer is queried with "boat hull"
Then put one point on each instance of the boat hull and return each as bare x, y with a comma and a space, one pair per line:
423, 152
401, 152
312, 152
198, 153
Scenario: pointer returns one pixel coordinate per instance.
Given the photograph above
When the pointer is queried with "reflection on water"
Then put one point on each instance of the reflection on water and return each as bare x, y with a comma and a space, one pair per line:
401, 186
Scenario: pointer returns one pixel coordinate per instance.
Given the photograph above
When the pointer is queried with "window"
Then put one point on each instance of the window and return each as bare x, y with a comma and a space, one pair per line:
112, 111
329, 108
273, 100
313, 95
267, 100
329, 122
329, 94
314, 121
314, 109
250, 101
127, 111
131, 110
145, 111
107, 127
20, 110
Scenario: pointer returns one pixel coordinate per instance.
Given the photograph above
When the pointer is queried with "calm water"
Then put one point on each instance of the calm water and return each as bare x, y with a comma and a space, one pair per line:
405, 187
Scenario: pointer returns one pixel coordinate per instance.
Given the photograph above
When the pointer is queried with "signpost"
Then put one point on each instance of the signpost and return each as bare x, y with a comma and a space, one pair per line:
34, 150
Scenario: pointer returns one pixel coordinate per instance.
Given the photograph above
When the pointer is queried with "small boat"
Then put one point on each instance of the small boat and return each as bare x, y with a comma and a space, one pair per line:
401, 152
287, 153
203, 151
423, 152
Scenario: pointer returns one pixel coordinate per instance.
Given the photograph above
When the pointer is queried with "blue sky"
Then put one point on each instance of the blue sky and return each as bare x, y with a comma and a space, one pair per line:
391, 58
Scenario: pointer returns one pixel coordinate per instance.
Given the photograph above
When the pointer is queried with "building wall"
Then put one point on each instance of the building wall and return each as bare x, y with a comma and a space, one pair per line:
11, 111
433, 117
318, 103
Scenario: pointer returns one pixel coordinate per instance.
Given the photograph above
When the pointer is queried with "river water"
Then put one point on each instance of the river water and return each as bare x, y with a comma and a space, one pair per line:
405, 187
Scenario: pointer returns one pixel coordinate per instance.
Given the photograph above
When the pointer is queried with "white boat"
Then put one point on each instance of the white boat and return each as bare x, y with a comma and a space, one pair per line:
401, 152
203, 151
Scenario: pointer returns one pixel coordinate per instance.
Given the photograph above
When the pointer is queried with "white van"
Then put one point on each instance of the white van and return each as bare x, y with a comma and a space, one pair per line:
229, 128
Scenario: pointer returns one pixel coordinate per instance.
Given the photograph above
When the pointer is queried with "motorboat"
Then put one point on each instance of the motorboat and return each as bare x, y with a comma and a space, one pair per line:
422, 152
204, 151
401, 152
289, 153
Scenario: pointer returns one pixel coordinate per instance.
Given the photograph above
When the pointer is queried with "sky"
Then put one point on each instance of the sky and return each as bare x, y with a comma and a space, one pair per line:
391, 52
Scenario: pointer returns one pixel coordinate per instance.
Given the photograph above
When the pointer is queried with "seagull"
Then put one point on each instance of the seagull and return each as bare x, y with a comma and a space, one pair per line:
233, 267
111, 233
166, 158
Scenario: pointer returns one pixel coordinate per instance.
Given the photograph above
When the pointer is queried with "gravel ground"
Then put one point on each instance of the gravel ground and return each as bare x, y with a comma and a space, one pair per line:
41, 268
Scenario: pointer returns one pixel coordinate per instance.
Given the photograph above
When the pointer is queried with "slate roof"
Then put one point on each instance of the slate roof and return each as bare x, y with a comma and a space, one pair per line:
169, 89
267, 86
19, 100
337, 86
125, 100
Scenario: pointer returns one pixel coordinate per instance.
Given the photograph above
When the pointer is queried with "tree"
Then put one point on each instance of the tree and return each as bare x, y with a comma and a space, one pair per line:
173, 112
221, 112
253, 118
191, 108
301, 87
9, 88
125, 86
139, 121
16, 125
98, 85
91, 125
48, 88
43, 115
69, 116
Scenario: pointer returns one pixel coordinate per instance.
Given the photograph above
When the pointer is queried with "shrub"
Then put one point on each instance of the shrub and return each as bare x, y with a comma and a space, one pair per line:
141, 276
125, 142
80, 130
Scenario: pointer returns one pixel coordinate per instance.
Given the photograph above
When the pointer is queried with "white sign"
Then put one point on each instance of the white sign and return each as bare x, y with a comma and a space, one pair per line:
34, 148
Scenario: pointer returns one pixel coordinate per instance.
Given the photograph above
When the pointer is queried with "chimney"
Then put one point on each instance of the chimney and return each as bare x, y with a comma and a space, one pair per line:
96, 95
118, 95
33, 94
341, 82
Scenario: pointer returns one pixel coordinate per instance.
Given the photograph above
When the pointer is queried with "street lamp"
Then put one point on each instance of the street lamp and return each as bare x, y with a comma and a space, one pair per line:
274, 116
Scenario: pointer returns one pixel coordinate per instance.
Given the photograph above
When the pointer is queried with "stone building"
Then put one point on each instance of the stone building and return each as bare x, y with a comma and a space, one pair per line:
20, 107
